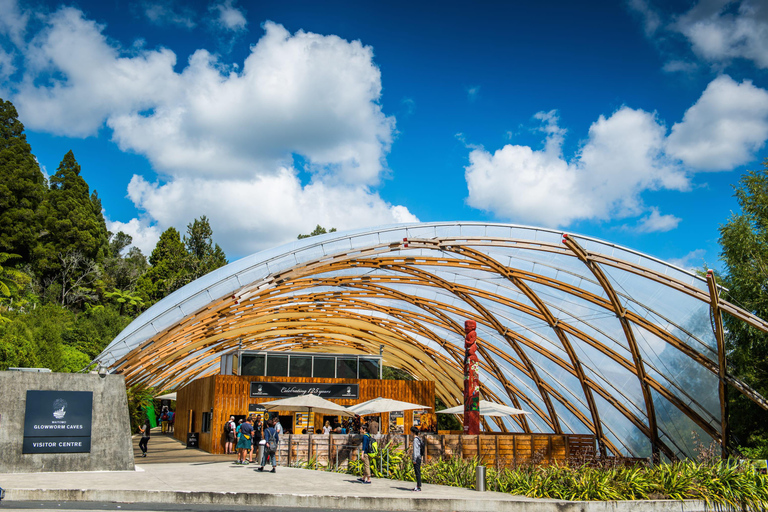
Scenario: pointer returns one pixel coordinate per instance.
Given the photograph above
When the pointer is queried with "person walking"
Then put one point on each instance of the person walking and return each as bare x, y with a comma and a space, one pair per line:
417, 456
270, 448
229, 432
244, 441
145, 430
367, 449
164, 419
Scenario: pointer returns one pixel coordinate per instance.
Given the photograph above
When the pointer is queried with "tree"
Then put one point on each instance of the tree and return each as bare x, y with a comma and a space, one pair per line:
122, 272
75, 279
204, 255
75, 223
168, 268
22, 187
744, 242
125, 299
319, 230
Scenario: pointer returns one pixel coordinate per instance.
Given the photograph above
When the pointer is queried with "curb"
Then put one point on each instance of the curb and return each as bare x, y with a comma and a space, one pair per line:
348, 502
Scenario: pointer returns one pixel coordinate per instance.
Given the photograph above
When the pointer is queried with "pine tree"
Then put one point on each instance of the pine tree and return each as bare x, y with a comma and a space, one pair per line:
169, 268
204, 255
22, 187
74, 222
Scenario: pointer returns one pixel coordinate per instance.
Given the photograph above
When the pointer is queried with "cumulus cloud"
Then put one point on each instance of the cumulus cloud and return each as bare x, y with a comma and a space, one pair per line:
13, 21
473, 93
657, 223
721, 30
169, 13
143, 232
623, 156
724, 129
229, 16
693, 261
224, 137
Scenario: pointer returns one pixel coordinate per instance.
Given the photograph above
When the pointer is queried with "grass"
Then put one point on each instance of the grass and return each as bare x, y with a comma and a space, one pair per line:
722, 485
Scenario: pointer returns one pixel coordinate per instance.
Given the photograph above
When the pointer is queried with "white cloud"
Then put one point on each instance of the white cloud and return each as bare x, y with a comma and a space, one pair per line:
265, 211
473, 93
724, 128
229, 16
223, 136
624, 155
679, 66
657, 223
651, 19
145, 235
721, 30
168, 13
621, 158
13, 21
694, 260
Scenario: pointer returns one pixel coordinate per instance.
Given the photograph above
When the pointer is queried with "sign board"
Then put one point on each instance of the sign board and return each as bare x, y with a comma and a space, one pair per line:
193, 438
255, 408
304, 420
58, 422
289, 389
396, 422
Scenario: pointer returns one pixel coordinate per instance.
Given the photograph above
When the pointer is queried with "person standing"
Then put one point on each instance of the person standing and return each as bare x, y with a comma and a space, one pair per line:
327, 427
145, 430
417, 456
171, 421
244, 441
367, 449
373, 428
272, 439
229, 432
164, 419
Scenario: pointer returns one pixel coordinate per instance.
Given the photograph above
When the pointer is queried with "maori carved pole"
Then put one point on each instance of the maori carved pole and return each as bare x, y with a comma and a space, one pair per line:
471, 380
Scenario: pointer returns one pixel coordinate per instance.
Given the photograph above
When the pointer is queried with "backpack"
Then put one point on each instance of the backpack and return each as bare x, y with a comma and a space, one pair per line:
164, 417
272, 443
228, 427
373, 446
422, 448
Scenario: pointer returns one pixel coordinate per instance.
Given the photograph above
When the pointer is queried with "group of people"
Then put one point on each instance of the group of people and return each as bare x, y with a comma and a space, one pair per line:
253, 435
369, 447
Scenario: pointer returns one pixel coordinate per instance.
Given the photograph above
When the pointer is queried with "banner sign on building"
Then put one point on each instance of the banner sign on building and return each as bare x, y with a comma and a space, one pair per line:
289, 389
58, 422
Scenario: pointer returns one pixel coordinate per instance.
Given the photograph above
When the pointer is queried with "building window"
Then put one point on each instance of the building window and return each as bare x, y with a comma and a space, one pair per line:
346, 368
253, 364
277, 366
369, 369
325, 367
206, 427
301, 366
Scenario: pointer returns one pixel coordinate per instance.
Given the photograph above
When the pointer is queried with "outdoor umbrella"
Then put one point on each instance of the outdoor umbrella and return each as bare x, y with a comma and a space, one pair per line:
381, 405
486, 409
308, 403
167, 396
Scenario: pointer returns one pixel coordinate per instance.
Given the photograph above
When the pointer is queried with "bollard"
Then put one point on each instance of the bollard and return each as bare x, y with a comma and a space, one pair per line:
480, 478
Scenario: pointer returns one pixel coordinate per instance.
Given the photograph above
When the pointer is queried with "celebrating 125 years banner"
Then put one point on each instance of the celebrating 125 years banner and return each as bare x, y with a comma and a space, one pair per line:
289, 389
58, 422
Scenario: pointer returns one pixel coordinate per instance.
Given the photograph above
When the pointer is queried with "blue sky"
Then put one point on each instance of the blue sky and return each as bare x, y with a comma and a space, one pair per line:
627, 121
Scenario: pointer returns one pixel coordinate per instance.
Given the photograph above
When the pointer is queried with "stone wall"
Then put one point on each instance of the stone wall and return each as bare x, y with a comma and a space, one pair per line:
111, 446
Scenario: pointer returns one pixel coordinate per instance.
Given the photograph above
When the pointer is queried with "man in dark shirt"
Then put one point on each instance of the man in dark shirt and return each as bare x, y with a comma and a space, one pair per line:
244, 441
145, 430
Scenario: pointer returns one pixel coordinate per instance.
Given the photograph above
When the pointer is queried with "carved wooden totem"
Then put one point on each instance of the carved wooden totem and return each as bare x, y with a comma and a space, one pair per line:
471, 380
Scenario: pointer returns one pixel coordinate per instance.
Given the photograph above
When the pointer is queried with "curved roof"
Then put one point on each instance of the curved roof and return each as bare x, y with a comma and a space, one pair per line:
585, 335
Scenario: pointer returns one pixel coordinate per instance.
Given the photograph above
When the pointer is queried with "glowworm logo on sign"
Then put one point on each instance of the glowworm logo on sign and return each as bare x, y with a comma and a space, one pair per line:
58, 422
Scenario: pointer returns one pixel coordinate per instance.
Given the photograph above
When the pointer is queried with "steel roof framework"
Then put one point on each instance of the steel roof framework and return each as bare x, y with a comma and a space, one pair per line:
586, 335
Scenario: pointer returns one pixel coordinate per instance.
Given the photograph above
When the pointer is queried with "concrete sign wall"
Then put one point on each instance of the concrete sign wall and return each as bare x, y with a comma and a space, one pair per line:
63, 422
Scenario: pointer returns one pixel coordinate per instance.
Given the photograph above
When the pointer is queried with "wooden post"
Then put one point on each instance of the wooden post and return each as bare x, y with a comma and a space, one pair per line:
721, 362
309, 448
550, 447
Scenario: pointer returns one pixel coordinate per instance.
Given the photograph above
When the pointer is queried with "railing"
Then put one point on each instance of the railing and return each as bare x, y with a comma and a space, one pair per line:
499, 450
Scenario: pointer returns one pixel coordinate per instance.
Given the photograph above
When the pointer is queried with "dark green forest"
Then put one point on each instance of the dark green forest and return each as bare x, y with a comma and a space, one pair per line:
68, 286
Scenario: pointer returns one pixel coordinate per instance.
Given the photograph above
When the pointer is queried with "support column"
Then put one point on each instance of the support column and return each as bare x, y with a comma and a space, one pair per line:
721, 363
471, 380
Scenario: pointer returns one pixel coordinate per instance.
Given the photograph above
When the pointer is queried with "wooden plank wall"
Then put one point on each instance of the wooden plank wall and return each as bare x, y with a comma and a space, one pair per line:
229, 395
495, 450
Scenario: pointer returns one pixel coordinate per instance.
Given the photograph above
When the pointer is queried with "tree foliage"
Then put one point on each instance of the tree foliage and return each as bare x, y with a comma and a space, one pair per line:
319, 230
744, 242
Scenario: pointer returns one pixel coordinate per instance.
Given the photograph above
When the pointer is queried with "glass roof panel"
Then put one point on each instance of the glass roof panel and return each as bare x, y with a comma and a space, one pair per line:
680, 429
625, 433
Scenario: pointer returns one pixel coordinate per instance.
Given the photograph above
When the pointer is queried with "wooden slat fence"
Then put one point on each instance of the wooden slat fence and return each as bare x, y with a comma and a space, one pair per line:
494, 450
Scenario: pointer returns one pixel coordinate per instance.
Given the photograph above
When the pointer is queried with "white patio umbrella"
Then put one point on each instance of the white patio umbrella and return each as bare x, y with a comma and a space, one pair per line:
381, 405
167, 396
308, 403
486, 409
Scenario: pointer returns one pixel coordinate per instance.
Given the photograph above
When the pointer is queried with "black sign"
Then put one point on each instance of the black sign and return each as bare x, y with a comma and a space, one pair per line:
192, 439
256, 408
289, 389
58, 422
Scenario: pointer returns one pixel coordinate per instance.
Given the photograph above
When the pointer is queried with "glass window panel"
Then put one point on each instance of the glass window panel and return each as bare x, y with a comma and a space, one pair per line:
324, 367
627, 435
252, 364
301, 366
369, 368
346, 368
277, 366
681, 430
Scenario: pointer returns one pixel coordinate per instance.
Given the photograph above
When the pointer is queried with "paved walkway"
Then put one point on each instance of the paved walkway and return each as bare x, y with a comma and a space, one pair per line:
175, 475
